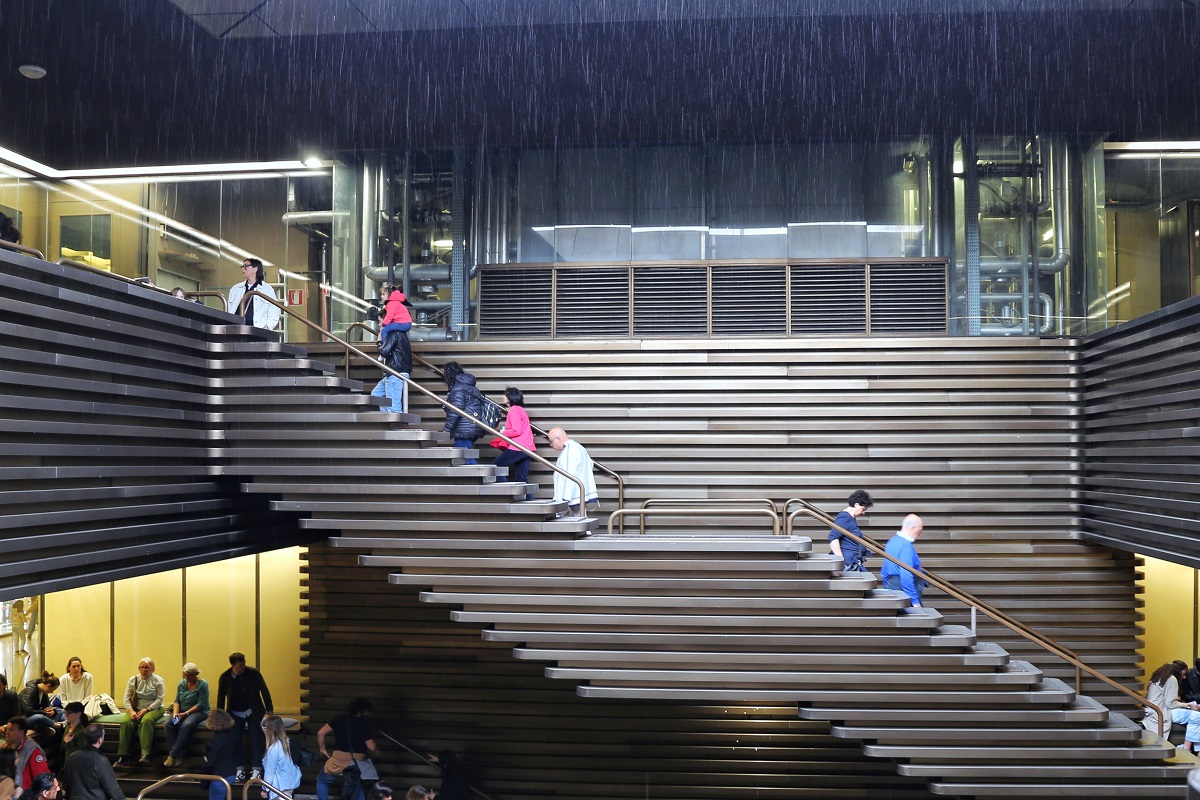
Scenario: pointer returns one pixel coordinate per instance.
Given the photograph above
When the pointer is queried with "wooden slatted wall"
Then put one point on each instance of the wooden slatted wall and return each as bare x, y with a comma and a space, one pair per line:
1141, 482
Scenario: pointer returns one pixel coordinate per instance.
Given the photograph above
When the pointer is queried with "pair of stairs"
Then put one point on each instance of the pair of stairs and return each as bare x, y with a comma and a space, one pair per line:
706, 618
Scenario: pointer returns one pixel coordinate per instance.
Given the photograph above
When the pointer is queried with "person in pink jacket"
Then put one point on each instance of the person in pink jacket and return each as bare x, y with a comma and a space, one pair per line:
396, 315
516, 427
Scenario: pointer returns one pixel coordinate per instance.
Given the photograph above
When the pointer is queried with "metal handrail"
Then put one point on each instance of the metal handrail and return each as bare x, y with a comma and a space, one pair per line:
212, 293
536, 430
700, 501
20, 248
185, 776
1016, 626
414, 385
621, 513
424, 758
260, 782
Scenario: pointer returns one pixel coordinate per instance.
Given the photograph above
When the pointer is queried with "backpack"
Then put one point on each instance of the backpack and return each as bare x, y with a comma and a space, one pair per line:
492, 414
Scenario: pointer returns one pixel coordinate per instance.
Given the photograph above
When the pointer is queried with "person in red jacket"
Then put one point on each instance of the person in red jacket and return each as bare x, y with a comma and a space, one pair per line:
517, 428
31, 760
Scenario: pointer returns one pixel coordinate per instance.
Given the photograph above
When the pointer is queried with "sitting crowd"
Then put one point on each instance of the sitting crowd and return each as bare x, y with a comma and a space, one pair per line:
52, 745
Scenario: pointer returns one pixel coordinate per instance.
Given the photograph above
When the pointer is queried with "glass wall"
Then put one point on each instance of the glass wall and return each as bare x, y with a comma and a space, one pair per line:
1049, 236
191, 231
1152, 211
725, 202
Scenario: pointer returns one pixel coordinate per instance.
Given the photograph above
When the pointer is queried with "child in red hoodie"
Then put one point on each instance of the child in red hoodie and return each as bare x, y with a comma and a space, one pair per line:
396, 317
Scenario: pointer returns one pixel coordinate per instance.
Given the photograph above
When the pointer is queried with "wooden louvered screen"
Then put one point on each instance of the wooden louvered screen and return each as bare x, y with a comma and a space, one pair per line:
670, 301
908, 299
829, 299
515, 303
749, 301
592, 302
904, 297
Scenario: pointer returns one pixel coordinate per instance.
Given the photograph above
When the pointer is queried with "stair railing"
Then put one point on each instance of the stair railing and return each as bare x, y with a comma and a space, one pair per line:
184, 776
20, 248
743, 504
411, 384
426, 760
975, 603
536, 430
260, 782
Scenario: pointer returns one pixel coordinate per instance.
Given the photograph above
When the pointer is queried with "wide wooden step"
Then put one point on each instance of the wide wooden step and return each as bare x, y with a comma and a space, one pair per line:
953, 637
1119, 730
984, 655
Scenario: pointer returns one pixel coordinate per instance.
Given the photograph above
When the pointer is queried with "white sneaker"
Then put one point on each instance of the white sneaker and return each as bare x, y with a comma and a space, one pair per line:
240, 775
255, 773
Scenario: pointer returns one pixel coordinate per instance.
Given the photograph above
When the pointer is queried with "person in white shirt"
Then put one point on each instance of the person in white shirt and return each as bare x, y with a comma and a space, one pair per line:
573, 458
259, 313
76, 685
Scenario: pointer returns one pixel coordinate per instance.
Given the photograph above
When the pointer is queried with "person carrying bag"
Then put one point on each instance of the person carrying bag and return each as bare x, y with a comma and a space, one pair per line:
349, 760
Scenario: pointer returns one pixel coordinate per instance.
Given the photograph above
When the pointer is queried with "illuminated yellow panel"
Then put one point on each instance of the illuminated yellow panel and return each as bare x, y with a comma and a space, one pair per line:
77, 623
1170, 614
146, 614
220, 615
280, 656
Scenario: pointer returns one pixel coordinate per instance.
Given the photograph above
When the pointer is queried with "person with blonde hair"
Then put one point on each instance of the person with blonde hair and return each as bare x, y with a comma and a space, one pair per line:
190, 709
143, 703
279, 770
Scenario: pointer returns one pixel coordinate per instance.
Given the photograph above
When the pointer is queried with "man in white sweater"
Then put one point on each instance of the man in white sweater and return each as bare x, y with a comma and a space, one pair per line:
573, 458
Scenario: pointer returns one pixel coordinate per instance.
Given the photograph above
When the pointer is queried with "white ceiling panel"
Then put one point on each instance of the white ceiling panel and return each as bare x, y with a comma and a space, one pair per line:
317, 17
404, 15
241, 7
314, 17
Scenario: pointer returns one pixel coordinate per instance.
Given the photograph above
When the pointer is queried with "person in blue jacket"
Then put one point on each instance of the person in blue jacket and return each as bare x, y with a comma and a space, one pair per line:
902, 548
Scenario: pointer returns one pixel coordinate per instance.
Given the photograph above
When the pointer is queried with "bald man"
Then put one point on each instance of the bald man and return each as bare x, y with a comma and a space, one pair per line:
902, 548
573, 458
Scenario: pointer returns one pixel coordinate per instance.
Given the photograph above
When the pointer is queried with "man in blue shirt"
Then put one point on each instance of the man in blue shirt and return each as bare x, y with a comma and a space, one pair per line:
852, 555
901, 547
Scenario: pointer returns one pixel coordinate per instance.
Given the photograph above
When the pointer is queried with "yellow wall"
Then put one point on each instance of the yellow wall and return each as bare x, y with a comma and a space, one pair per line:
1170, 608
200, 614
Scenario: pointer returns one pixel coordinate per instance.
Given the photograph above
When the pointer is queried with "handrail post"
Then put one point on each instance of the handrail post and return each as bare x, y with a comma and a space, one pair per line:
414, 385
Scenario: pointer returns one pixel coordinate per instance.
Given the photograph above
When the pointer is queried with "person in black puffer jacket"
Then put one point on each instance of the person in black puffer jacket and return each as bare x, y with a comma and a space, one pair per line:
396, 352
465, 395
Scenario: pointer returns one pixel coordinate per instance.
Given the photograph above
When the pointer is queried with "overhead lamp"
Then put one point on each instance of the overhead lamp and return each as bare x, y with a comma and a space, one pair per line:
32, 71
313, 162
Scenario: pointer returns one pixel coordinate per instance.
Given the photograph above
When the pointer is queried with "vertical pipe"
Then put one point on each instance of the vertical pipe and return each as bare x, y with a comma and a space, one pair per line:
370, 217
971, 223
406, 223
459, 302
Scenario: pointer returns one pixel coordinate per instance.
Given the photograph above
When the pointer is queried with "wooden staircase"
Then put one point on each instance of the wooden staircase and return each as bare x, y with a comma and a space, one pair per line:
680, 630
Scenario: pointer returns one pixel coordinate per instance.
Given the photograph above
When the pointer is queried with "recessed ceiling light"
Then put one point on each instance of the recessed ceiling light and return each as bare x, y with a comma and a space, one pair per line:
32, 71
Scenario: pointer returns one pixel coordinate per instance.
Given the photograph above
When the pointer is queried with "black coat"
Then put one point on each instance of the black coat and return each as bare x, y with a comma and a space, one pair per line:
396, 351
224, 754
466, 396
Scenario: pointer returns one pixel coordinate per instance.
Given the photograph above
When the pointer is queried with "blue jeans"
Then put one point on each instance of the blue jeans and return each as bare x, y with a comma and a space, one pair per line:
519, 463
394, 326
216, 790
258, 740
1190, 718
394, 389
325, 780
466, 444
178, 735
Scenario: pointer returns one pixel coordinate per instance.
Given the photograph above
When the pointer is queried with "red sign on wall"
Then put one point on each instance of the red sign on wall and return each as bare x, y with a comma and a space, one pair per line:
295, 297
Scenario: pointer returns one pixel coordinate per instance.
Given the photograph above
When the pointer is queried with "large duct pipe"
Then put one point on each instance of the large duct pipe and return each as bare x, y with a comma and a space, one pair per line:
431, 273
1044, 326
308, 218
1058, 193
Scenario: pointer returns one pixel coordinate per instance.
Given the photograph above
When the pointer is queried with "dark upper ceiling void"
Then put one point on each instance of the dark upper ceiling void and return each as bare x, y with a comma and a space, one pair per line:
152, 81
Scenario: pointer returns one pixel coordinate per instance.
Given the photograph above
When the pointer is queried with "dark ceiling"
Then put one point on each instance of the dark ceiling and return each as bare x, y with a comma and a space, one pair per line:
136, 82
